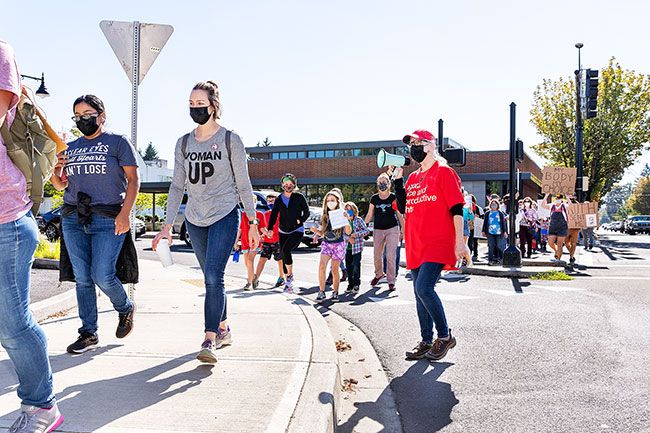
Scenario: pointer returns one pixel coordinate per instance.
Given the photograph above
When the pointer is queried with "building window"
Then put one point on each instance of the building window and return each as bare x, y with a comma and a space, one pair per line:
356, 152
329, 154
320, 154
300, 154
293, 155
402, 150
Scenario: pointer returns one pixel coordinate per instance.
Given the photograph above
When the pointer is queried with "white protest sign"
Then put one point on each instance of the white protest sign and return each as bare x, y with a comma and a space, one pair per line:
338, 219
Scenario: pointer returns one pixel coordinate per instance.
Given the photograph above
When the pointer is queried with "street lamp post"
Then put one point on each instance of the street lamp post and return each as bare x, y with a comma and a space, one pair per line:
579, 129
41, 91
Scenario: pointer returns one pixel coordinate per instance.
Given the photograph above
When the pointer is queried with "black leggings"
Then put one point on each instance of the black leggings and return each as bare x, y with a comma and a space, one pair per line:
289, 242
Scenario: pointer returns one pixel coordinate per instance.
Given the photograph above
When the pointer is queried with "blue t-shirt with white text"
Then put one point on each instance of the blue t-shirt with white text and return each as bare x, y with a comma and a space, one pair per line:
95, 168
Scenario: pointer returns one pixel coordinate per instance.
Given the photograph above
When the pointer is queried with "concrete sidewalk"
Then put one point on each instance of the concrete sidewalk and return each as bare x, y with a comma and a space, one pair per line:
279, 375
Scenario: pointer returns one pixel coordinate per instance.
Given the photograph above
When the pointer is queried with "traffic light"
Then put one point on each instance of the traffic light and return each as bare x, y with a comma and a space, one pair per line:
591, 93
519, 150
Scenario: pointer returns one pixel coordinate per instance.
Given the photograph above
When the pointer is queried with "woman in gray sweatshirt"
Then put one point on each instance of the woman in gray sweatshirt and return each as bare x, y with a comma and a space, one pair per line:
211, 163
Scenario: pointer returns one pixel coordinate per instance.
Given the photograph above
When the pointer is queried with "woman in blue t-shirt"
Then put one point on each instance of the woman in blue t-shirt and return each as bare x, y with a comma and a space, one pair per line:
99, 173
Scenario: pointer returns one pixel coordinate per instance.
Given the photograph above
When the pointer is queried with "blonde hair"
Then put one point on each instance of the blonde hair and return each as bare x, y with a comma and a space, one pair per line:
213, 95
324, 220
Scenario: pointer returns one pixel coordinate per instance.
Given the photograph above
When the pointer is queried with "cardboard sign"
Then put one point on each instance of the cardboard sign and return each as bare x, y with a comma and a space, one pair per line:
558, 180
583, 215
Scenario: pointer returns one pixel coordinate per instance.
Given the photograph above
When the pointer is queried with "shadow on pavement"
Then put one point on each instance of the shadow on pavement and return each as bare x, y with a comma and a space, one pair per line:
131, 393
424, 403
59, 363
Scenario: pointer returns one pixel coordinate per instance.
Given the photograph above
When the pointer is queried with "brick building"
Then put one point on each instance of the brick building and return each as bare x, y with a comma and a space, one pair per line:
353, 168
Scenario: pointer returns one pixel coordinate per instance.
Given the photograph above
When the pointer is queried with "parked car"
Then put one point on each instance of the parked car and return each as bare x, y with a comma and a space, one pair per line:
179, 222
50, 225
315, 214
637, 224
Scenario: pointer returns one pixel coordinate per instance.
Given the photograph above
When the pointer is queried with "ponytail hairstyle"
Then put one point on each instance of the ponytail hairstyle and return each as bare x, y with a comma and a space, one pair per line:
213, 96
91, 100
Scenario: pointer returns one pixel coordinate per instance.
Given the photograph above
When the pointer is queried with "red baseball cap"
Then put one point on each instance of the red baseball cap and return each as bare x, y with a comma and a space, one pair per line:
420, 134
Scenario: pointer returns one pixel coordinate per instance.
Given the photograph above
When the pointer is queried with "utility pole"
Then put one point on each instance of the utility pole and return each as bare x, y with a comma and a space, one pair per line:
579, 129
512, 254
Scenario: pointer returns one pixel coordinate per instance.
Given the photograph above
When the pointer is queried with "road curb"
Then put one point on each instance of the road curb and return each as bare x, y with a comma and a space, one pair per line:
60, 303
46, 264
316, 408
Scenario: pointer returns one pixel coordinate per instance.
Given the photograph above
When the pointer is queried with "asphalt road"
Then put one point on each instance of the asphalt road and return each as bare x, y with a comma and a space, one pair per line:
551, 356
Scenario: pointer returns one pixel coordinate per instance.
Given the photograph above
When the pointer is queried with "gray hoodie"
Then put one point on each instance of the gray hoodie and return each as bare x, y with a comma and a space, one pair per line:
211, 186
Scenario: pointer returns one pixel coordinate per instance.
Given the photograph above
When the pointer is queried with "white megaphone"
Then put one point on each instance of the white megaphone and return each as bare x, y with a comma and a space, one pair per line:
384, 159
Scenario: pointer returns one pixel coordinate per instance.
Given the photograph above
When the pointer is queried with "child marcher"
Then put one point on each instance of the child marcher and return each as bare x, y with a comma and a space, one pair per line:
495, 230
333, 245
270, 248
543, 234
246, 250
355, 247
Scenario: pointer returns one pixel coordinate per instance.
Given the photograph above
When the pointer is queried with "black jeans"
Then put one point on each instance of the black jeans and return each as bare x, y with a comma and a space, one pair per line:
288, 243
525, 241
353, 265
472, 243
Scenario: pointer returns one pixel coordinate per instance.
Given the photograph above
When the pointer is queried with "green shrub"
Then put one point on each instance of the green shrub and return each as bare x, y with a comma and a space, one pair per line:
552, 276
47, 249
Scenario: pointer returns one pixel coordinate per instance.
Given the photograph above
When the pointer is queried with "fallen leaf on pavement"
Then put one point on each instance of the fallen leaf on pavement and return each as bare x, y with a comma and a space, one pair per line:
342, 346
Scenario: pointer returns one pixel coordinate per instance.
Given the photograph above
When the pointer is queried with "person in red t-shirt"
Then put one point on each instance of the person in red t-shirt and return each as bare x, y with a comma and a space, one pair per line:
432, 203
270, 247
245, 248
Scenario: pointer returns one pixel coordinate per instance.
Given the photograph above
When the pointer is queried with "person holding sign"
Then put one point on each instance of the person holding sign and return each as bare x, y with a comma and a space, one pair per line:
559, 225
334, 229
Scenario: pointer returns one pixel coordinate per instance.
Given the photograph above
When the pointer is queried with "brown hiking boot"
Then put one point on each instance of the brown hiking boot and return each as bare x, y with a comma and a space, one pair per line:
418, 351
439, 348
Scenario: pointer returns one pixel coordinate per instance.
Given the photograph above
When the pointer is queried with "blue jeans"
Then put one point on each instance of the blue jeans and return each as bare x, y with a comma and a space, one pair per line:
428, 303
212, 247
20, 335
496, 246
93, 251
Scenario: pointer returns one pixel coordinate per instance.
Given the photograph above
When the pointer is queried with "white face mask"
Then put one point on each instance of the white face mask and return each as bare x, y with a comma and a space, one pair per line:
332, 205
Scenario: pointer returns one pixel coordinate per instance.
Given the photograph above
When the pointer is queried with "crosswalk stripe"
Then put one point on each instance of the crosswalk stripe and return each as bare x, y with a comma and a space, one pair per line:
558, 289
509, 292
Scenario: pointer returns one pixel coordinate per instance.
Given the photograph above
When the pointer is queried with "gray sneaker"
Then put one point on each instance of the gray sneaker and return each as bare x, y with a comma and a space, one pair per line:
224, 338
37, 420
256, 282
207, 353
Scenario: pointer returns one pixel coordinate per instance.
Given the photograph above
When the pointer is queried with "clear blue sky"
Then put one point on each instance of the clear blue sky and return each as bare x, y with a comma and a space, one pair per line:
312, 72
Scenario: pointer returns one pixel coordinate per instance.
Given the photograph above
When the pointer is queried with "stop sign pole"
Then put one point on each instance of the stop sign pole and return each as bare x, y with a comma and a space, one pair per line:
127, 39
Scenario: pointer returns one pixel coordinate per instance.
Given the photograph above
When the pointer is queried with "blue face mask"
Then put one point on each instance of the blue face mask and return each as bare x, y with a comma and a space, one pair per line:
271, 206
351, 213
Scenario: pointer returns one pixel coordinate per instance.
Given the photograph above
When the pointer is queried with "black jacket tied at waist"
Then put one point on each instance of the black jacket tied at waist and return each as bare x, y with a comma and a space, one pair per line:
127, 262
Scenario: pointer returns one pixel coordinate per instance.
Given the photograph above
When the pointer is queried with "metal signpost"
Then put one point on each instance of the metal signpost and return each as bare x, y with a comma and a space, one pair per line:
136, 46
512, 255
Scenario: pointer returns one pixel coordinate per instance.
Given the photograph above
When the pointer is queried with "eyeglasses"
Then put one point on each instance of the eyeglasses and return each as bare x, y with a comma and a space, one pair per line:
84, 117
419, 142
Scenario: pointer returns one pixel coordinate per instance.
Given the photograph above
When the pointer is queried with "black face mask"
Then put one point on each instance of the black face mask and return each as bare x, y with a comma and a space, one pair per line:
382, 186
200, 115
87, 127
417, 153
288, 189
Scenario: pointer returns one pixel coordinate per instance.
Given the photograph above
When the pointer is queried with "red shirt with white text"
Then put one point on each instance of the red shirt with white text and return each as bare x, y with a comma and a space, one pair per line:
430, 234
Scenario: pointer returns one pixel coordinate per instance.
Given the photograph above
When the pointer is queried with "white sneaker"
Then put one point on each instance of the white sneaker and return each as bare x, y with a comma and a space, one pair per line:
37, 420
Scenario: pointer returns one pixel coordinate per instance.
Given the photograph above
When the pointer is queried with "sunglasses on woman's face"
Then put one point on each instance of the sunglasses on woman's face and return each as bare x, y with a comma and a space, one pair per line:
76, 118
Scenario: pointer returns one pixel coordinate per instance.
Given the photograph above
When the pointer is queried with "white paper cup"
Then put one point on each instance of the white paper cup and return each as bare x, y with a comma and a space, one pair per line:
164, 253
